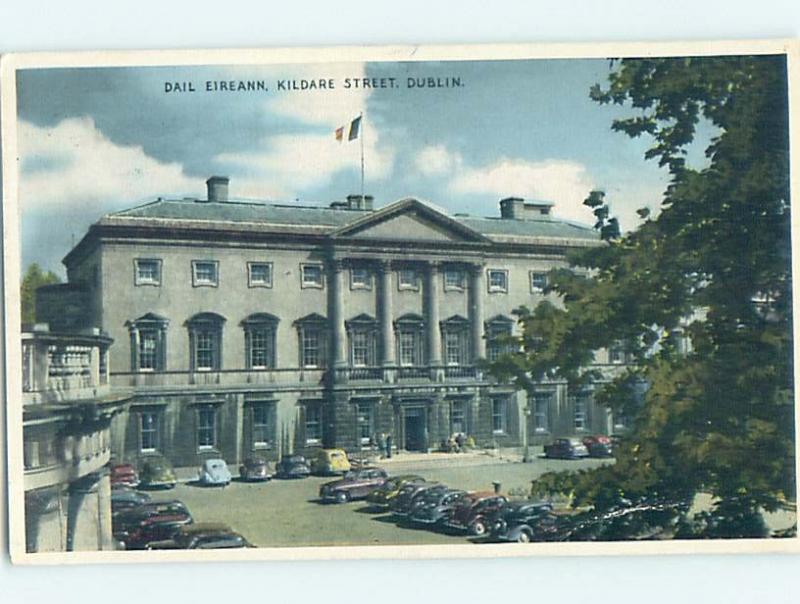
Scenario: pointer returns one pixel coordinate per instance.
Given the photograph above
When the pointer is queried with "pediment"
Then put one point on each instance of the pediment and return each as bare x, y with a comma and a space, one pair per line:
409, 220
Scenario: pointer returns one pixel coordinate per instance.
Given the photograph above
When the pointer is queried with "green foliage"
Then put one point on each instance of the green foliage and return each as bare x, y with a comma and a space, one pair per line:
33, 279
713, 265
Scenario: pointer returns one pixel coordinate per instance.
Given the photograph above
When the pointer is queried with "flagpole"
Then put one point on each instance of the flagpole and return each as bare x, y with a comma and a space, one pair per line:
361, 115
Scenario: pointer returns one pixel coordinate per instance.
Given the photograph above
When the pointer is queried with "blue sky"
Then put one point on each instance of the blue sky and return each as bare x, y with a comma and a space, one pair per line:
97, 140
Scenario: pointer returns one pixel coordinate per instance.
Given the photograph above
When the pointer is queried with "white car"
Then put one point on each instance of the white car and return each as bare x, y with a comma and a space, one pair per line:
214, 472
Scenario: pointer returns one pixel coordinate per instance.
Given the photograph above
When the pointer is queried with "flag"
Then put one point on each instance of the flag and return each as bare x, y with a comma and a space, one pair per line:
355, 129
340, 133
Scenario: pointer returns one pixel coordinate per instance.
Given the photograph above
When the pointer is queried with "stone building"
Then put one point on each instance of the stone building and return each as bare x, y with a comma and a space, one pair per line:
249, 328
67, 412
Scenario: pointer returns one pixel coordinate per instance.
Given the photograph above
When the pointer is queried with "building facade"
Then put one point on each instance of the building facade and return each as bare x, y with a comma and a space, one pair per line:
254, 328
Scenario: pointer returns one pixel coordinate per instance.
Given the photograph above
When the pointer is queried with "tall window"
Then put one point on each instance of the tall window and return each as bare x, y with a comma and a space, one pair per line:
206, 427
498, 330
148, 431
312, 336
363, 336
205, 273
147, 271
148, 335
205, 339
458, 417
410, 340
264, 425
500, 415
455, 334
541, 411
580, 409
259, 339
313, 423
366, 422
538, 281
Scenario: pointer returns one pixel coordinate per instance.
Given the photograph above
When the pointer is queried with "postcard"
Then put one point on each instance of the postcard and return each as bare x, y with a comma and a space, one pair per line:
434, 301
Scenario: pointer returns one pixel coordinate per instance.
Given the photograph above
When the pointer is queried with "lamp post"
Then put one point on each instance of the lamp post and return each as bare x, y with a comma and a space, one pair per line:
526, 457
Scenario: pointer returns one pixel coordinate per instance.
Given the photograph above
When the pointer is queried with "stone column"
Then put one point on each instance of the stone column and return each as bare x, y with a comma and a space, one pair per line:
476, 289
105, 535
432, 314
385, 313
336, 315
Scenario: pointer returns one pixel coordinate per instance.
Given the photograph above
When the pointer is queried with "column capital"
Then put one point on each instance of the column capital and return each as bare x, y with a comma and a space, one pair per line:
337, 265
383, 265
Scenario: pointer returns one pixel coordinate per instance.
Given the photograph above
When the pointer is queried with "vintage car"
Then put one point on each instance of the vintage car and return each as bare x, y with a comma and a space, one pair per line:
354, 485
434, 505
214, 472
401, 505
566, 448
473, 511
123, 499
328, 462
598, 446
152, 521
524, 521
124, 475
157, 472
383, 495
254, 468
292, 466
204, 535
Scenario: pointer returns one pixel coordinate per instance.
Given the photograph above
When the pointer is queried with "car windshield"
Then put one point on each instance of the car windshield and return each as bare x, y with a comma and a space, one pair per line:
216, 465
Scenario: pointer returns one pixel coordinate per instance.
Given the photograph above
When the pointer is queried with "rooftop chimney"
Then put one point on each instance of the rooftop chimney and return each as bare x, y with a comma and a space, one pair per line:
218, 188
359, 202
516, 208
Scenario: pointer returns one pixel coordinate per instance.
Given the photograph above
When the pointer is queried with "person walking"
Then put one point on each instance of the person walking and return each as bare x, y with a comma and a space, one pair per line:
388, 446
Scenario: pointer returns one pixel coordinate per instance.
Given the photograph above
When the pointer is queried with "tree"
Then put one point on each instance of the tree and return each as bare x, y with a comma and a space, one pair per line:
714, 264
34, 278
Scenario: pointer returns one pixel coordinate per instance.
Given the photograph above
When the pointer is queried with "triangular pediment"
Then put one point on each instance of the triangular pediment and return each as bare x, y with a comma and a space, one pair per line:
409, 220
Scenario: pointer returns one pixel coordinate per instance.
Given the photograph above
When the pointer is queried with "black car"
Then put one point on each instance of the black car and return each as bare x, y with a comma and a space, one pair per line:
524, 521
402, 504
433, 505
292, 466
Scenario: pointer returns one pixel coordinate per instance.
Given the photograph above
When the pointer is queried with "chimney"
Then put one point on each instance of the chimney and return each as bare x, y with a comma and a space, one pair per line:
358, 202
516, 208
217, 188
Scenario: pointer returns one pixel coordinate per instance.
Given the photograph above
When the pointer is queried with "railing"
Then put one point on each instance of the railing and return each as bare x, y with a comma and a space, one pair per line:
365, 373
461, 371
414, 373
217, 378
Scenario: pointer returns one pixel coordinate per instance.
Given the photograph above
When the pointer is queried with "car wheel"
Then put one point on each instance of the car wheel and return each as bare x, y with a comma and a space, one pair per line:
524, 537
478, 528
342, 497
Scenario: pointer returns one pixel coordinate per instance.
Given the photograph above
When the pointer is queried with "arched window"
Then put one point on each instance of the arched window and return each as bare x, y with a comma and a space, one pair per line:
362, 336
313, 341
205, 341
455, 340
410, 337
148, 335
259, 340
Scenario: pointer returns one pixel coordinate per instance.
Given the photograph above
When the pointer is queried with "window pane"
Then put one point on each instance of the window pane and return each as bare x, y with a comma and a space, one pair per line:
205, 272
580, 412
365, 422
260, 274
205, 349
148, 349
408, 348
452, 342
148, 432
457, 418
541, 405
261, 341
263, 424
206, 428
538, 281
498, 280
359, 277
311, 347
147, 271
360, 348
454, 278
313, 423
498, 415
407, 277
312, 274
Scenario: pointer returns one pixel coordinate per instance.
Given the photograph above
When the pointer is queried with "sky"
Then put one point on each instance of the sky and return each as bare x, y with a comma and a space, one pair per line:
96, 140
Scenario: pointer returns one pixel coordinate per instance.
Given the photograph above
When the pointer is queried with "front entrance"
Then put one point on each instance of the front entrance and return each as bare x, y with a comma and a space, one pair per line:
415, 429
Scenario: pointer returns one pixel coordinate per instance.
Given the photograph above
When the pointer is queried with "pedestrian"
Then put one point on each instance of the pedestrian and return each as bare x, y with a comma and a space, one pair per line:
382, 444
388, 446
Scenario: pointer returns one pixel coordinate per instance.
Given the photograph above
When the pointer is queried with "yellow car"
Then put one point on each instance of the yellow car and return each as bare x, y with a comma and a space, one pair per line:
330, 461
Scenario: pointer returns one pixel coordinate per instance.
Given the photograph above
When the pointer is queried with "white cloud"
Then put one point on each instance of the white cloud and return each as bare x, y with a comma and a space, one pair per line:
78, 165
436, 159
565, 183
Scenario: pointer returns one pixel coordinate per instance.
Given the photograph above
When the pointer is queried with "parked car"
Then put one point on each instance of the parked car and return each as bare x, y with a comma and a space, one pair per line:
354, 485
292, 466
254, 468
400, 506
214, 472
151, 521
123, 499
524, 521
204, 535
157, 472
124, 474
434, 505
566, 448
598, 446
330, 461
384, 494
473, 511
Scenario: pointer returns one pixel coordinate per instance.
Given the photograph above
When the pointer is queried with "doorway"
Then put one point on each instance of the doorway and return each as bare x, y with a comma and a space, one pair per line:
415, 429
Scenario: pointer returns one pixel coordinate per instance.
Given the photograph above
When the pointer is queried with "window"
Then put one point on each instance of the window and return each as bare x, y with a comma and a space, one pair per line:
206, 427
263, 425
541, 409
499, 415
147, 271
362, 333
311, 275
259, 274
205, 339
453, 278
458, 418
365, 420
313, 424
616, 354
259, 339
497, 281
360, 278
313, 340
452, 348
538, 282
148, 336
498, 330
410, 341
580, 412
148, 431
204, 273
455, 335
407, 278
